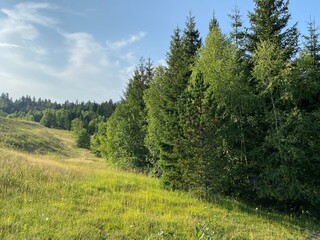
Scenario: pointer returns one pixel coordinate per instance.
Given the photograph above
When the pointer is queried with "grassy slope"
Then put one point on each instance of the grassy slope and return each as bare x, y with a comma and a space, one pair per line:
49, 189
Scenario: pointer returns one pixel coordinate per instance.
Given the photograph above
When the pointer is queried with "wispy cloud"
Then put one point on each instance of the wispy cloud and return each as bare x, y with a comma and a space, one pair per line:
29, 12
125, 42
19, 23
83, 68
85, 54
8, 45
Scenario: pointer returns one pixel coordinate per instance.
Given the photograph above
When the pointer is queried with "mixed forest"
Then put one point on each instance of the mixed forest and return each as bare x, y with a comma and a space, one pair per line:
237, 114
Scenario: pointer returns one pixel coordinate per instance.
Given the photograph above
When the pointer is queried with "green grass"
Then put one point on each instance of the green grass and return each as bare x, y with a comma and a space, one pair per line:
62, 192
28, 136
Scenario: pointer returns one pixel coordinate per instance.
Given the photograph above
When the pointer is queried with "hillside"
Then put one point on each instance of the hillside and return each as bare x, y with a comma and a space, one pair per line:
49, 189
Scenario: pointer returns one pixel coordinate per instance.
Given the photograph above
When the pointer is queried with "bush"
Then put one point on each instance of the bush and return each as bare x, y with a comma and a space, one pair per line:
83, 139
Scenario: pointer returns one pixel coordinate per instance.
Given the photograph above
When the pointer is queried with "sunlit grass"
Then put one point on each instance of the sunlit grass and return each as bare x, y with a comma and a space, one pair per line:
28, 136
74, 195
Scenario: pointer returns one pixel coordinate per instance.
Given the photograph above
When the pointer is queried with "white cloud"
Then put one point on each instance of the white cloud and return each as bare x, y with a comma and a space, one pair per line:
8, 45
29, 12
125, 42
20, 21
89, 68
85, 54
82, 69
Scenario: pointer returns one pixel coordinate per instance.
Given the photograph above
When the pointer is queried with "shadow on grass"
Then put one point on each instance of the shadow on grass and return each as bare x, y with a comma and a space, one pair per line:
287, 219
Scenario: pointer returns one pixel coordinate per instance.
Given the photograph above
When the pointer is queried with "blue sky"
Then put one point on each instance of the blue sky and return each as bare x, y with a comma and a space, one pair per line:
87, 50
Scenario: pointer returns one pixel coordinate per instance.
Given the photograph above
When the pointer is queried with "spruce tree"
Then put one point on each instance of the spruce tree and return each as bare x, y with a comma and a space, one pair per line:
302, 130
201, 120
213, 23
288, 163
155, 108
126, 128
173, 82
269, 22
198, 130
191, 42
271, 45
238, 34
312, 44
160, 101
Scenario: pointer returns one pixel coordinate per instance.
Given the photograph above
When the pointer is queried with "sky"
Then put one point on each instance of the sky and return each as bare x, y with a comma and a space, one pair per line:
87, 50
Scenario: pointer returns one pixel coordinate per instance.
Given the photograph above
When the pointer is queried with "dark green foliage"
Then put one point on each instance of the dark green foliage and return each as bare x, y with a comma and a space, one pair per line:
287, 168
238, 36
191, 42
268, 23
155, 108
198, 143
290, 168
301, 128
166, 141
312, 45
126, 128
80, 133
231, 105
30, 106
213, 23
48, 118
243, 125
83, 139
238, 117
76, 125
98, 139
37, 115
161, 100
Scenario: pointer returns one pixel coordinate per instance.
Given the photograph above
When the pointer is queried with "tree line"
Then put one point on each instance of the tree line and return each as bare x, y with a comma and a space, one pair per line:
84, 119
237, 115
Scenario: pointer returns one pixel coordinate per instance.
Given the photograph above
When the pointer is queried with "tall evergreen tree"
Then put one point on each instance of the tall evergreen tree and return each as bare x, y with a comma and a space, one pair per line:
126, 128
161, 100
312, 44
213, 23
307, 83
191, 42
172, 82
272, 46
156, 108
238, 34
269, 22
288, 165
233, 104
198, 130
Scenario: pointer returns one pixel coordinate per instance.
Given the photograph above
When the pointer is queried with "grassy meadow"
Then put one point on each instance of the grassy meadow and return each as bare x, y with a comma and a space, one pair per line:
50, 189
